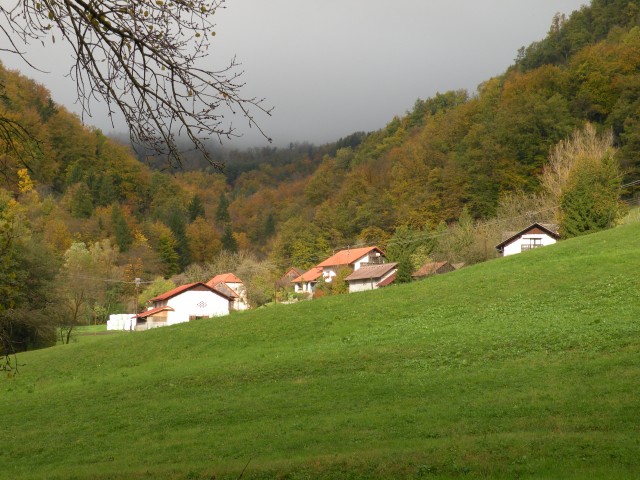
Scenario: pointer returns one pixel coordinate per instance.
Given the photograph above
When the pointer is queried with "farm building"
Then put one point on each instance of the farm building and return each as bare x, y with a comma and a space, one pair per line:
432, 268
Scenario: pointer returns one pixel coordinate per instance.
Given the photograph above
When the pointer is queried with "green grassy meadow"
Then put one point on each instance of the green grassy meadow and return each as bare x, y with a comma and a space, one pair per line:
523, 367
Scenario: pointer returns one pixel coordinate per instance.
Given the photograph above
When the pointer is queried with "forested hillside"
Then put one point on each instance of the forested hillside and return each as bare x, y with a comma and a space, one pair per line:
457, 151
72, 200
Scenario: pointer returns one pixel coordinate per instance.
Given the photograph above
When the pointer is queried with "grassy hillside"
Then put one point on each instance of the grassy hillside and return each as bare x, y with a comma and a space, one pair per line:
523, 367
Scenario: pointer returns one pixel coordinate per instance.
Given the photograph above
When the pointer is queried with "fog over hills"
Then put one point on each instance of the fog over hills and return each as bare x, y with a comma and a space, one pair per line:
331, 68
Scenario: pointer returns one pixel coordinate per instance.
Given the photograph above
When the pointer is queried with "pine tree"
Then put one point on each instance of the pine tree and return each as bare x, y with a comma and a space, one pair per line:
405, 268
81, 202
168, 254
106, 190
591, 201
222, 213
176, 222
269, 226
195, 208
228, 241
124, 237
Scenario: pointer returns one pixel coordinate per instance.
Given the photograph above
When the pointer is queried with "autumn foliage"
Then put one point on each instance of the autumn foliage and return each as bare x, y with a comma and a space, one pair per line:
444, 180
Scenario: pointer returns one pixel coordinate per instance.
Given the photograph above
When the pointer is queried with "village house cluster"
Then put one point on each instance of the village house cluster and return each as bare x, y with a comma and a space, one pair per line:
367, 269
368, 265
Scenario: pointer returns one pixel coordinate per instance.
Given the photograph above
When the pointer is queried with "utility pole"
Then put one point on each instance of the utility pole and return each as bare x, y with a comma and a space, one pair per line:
137, 282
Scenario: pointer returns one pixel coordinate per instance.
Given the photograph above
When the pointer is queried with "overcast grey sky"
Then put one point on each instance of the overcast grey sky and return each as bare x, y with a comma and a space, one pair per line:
333, 67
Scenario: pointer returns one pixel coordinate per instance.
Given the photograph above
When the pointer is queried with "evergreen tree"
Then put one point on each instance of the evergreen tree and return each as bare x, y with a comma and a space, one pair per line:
403, 243
222, 213
176, 222
81, 202
106, 190
405, 268
228, 241
168, 254
591, 201
583, 177
269, 226
74, 173
195, 208
124, 237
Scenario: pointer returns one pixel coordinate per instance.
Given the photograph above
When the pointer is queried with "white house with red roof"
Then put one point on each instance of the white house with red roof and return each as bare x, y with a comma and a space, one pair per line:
306, 283
352, 258
186, 303
231, 285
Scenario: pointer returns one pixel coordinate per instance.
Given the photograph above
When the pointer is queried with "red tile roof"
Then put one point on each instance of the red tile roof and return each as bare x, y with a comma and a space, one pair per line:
309, 275
153, 311
388, 281
347, 257
184, 288
431, 269
173, 293
223, 277
292, 273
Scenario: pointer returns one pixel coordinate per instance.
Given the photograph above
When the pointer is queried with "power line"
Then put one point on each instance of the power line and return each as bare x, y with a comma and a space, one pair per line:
108, 280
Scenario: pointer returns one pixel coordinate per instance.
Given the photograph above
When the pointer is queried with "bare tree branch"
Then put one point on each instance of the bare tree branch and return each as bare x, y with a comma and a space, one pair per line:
143, 59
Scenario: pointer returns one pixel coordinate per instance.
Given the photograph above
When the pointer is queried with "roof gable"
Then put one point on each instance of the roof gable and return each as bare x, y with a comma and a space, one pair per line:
226, 290
293, 273
184, 288
288, 277
543, 228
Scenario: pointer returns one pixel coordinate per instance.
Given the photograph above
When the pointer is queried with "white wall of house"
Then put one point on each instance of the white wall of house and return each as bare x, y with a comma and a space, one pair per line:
241, 302
368, 284
304, 287
153, 322
362, 285
370, 257
235, 286
528, 242
196, 303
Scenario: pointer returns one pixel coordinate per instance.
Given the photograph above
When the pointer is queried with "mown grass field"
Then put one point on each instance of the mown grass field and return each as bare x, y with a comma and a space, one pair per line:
523, 367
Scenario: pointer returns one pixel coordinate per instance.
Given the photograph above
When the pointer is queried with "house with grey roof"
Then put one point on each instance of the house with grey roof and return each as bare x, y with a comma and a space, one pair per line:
371, 277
